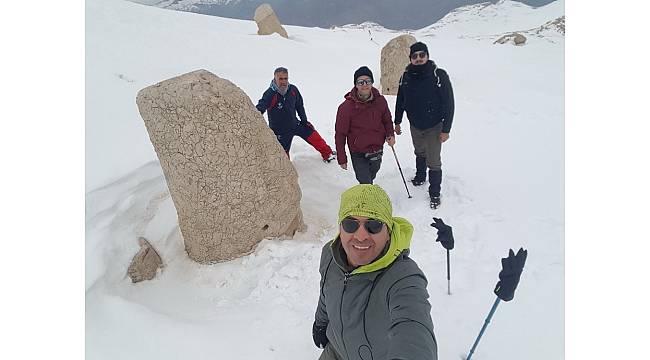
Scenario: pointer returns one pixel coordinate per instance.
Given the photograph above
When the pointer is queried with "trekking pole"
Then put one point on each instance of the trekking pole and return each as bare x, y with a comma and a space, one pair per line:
487, 321
446, 239
400, 171
448, 277
511, 268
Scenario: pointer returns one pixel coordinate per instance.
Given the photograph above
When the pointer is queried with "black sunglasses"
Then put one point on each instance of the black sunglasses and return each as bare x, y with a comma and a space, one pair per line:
373, 226
420, 54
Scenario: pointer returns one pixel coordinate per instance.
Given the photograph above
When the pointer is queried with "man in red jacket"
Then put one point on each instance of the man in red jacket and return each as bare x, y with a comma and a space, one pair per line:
365, 122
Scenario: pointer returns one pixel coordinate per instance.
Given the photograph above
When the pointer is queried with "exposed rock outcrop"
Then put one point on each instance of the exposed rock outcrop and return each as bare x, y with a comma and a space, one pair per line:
514, 38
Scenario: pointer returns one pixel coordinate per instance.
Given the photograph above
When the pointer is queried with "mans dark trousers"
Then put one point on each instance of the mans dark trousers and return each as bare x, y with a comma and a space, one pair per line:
366, 166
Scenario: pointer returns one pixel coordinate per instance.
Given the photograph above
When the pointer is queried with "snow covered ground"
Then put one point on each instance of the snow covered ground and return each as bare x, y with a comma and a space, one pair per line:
503, 186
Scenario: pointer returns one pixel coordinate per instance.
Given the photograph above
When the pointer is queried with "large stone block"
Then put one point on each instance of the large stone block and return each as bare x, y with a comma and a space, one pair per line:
230, 180
394, 59
267, 22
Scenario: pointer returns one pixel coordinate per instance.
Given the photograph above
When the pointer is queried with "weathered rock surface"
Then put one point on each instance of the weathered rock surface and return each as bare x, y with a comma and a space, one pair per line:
515, 38
145, 263
267, 22
230, 180
394, 58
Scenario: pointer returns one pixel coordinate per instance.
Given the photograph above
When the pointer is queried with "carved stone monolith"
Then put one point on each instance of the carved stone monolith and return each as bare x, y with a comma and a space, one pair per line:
231, 182
267, 22
394, 58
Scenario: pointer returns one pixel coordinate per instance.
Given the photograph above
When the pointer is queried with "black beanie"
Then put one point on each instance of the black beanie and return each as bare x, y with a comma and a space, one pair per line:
363, 71
419, 46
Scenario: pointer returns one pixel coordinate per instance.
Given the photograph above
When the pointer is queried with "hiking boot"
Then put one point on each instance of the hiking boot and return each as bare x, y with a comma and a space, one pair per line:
417, 181
420, 171
435, 202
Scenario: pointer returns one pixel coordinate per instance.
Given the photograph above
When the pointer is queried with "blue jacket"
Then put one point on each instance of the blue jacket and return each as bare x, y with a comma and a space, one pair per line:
282, 109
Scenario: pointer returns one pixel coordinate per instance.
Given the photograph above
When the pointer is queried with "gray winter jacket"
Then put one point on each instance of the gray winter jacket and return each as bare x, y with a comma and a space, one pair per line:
377, 315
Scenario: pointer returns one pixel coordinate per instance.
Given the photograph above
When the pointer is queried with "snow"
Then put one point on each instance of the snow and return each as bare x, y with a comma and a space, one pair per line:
502, 188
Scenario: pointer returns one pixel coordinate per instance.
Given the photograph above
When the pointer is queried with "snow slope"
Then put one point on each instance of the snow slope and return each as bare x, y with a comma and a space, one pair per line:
503, 187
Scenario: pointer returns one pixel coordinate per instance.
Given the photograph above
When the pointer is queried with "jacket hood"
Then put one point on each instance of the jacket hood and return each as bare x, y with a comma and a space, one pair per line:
400, 241
352, 94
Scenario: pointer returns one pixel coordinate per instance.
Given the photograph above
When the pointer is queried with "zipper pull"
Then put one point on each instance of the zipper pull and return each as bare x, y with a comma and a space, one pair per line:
347, 276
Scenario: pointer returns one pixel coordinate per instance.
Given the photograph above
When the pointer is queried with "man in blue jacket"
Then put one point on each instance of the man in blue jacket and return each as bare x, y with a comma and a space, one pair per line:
426, 95
282, 100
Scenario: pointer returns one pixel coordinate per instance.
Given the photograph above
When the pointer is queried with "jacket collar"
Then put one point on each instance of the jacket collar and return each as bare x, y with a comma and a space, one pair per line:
423, 70
400, 241
275, 87
352, 95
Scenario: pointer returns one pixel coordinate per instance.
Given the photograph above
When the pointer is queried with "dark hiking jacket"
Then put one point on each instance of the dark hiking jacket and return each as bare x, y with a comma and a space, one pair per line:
282, 109
377, 311
425, 93
363, 125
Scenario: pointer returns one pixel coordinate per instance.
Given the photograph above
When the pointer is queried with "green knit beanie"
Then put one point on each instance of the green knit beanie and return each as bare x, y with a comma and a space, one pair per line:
369, 201
372, 202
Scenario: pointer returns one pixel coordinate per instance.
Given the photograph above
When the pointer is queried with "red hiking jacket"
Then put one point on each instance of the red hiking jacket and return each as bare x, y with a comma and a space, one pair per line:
365, 126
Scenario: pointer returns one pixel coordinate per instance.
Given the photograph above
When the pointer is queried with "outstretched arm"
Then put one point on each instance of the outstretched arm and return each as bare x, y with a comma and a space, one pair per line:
411, 331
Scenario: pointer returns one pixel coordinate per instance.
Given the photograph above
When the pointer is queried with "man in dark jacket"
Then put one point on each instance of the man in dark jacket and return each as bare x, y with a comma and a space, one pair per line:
373, 297
363, 121
426, 95
282, 100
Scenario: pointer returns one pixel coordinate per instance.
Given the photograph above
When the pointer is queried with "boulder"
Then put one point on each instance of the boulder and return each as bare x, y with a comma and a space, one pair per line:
231, 182
394, 58
145, 263
267, 21
515, 38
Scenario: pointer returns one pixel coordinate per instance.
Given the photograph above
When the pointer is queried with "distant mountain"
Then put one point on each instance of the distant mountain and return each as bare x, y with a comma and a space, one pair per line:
391, 14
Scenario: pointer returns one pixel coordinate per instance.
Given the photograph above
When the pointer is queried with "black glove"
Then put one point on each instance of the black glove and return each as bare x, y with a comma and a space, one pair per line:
320, 338
510, 274
445, 235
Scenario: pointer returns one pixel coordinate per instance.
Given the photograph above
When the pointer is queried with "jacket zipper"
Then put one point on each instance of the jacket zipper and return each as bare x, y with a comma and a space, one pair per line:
345, 283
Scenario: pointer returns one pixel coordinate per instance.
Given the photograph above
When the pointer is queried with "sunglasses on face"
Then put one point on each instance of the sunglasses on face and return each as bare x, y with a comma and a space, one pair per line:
419, 54
364, 82
373, 226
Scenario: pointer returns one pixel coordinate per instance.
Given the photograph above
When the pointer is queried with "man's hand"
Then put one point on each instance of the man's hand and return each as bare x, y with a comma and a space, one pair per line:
344, 166
390, 140
319, 335
444, 137
398, 129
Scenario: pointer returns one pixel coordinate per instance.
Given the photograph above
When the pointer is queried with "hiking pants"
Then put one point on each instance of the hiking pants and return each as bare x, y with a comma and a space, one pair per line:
310, 135
427, 144
366, 166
